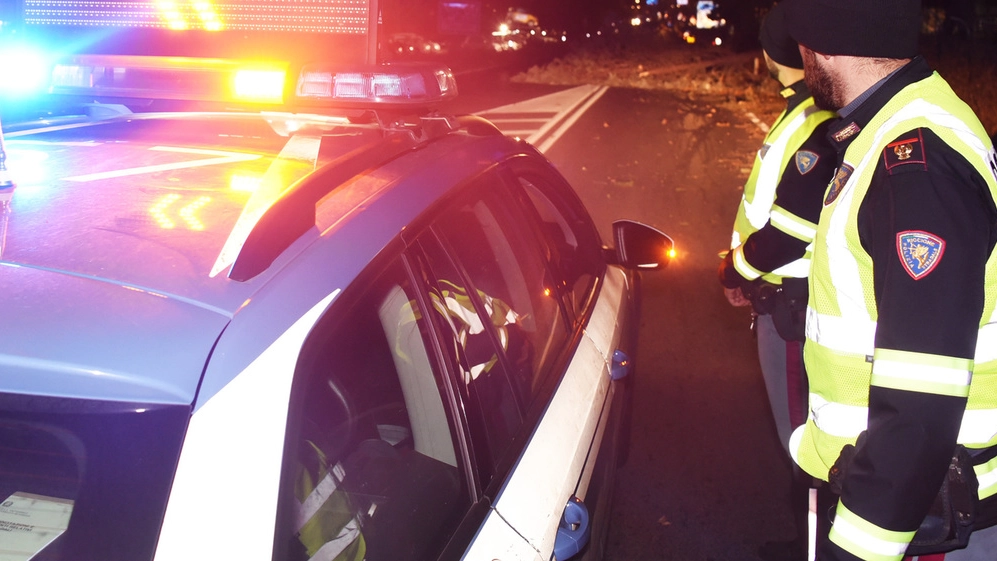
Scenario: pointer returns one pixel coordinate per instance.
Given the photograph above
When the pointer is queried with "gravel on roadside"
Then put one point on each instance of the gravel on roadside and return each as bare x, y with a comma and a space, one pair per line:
721, 76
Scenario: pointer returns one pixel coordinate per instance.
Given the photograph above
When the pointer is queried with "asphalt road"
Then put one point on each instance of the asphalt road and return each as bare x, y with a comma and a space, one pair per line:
706, 479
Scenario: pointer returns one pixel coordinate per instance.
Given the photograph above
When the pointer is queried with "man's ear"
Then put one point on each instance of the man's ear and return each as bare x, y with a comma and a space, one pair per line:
804, 50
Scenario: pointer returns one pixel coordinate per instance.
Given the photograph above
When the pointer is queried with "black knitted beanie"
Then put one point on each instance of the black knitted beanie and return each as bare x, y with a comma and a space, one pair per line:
776, 40
866, 28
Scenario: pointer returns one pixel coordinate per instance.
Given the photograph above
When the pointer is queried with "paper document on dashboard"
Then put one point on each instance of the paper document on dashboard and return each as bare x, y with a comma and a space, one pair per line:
29, 522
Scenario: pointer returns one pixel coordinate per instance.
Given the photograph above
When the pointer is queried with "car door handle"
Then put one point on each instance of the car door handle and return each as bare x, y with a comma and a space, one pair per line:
574, 531
622, 365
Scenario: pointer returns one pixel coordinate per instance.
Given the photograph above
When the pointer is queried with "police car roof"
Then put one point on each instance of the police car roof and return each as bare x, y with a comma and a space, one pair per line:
124, 234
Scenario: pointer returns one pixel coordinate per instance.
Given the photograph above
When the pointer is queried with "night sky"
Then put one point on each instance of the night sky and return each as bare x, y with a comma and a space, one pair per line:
571, 15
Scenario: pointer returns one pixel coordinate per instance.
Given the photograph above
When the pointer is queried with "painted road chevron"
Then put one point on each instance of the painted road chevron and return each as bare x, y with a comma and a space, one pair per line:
542, 120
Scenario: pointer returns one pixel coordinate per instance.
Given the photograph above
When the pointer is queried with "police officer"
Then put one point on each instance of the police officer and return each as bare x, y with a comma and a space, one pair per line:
776, 219
769, 257
901, 348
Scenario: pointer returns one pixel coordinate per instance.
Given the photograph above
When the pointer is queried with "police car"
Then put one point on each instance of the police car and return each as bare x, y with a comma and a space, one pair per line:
351, 326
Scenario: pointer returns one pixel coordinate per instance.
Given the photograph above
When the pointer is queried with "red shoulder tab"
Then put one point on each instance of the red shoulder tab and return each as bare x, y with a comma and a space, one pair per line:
904, 152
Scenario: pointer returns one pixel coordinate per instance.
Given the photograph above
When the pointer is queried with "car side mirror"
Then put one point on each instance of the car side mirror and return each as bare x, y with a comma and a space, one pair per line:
639, 246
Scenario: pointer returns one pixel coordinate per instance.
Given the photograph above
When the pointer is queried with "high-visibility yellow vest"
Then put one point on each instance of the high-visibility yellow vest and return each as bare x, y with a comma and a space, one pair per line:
457, 306
757, 206
841, 314
325, 520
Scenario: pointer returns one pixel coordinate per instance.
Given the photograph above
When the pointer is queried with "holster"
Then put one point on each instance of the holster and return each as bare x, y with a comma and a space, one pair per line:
951, 519
786, 303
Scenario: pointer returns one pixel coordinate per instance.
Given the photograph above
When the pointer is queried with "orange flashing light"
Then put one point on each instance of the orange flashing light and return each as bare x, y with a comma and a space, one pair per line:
265, 86
182, 78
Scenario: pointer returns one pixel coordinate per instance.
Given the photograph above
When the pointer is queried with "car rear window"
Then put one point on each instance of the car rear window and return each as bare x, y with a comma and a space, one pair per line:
84, 479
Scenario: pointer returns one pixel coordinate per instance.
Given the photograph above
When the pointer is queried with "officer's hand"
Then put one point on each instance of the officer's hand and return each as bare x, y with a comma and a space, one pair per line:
736, 297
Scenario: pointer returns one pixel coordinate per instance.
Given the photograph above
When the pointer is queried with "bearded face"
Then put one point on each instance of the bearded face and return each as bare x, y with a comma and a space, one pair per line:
824, 85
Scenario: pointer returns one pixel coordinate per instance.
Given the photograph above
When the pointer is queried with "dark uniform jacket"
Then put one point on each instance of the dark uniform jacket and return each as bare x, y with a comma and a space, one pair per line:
800, 192
901, 460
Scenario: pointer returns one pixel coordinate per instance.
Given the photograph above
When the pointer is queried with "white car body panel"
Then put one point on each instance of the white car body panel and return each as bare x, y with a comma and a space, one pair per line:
231, 460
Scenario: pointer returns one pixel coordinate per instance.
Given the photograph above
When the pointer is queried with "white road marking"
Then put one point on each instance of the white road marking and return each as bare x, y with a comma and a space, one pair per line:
222, 158
554, 113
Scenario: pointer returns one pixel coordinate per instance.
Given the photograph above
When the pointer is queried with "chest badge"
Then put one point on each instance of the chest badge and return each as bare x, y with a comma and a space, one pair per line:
838, 183
849, 131
920, 252
903, 151
900, 154
805, 161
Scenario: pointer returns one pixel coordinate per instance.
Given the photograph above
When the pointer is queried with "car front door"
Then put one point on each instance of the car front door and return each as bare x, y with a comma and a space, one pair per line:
534, 362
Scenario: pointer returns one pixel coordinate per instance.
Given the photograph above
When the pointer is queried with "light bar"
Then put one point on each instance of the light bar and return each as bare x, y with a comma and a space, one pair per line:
174, 78
380, 86
297, 16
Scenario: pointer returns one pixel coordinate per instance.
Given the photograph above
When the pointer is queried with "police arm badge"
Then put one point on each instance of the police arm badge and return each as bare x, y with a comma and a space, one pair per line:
920, 252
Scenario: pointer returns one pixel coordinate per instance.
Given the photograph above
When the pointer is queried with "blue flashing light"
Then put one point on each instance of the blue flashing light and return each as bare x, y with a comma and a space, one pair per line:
26, 71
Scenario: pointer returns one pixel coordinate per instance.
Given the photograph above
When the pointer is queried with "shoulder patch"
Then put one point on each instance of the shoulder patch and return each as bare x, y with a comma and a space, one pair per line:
909, 150
919, 252
805, 161
838, 183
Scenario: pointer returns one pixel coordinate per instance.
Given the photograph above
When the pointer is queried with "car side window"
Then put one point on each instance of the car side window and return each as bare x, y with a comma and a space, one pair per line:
495, 414
572, 243
371, 468
500, 306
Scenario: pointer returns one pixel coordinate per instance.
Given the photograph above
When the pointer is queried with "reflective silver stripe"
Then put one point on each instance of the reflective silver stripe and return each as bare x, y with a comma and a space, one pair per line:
742, 266
792, 224
758, 209
986, 475
794, 442
797, 269
735, 239
838, 419
986, 343
852, 532
855, 335
469, 317
925, 379
332, 548
979, 426
922, 372
319, 495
